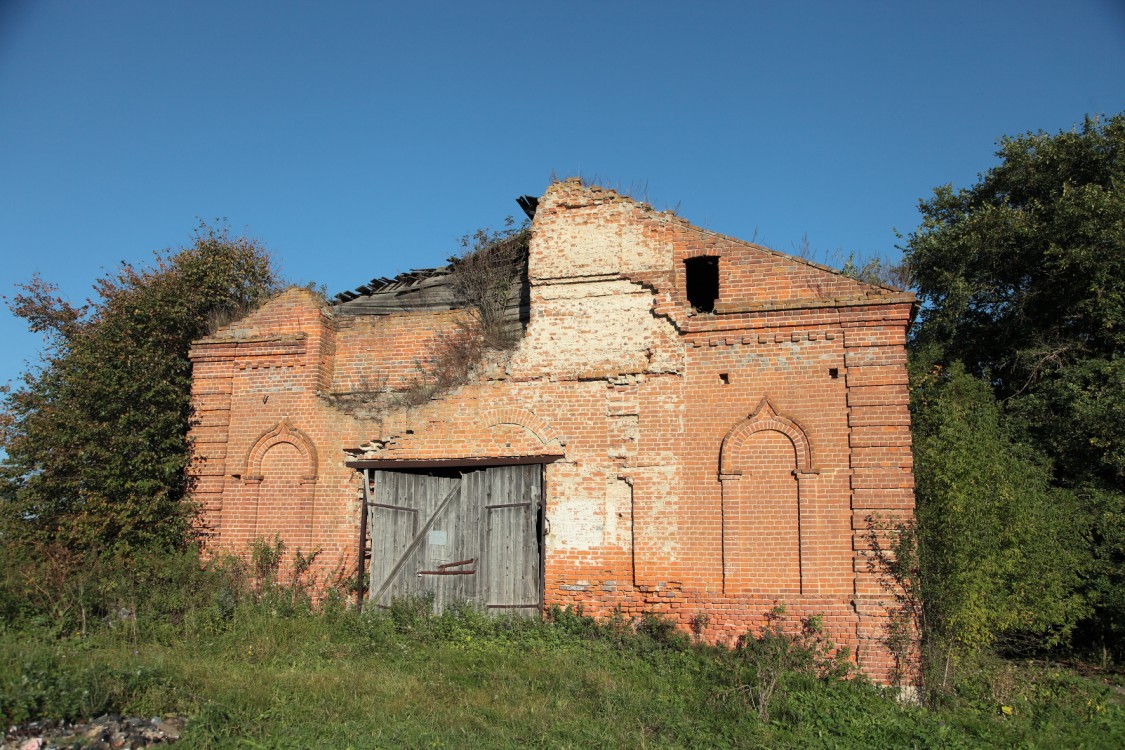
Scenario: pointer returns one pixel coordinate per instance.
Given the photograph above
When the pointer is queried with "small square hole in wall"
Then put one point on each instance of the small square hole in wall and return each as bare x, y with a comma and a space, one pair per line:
833, 372
725, 378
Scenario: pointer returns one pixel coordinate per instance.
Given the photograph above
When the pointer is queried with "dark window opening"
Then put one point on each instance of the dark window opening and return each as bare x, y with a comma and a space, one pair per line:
833, 373
702, 282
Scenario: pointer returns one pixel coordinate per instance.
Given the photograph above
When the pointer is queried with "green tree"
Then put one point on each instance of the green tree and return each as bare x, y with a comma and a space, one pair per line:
96, 437
876, 270
1022, 278
1000, 552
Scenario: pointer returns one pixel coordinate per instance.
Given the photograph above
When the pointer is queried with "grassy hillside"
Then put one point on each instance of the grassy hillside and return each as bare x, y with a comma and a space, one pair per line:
275, 674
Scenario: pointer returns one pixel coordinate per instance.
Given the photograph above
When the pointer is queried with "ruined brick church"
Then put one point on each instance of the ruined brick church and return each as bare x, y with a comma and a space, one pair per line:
688, 424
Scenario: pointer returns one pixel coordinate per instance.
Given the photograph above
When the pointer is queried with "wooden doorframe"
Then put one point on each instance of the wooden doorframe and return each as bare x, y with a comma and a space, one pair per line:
364, 467
390, 464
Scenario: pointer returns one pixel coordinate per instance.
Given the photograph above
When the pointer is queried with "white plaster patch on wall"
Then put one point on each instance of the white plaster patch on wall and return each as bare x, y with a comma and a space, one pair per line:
591, 327
666, 353
655, 523
577, 510
648, 253
623, 433
586, 289
618, 513
570, 248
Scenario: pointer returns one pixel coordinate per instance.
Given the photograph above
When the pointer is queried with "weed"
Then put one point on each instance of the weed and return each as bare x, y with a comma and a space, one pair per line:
265, 561
413, 612
403, 677
38, 680
370, 398
698, 624
453, 357
893, 557
761, 663
485, 276
574, 621
661, 630
213, 642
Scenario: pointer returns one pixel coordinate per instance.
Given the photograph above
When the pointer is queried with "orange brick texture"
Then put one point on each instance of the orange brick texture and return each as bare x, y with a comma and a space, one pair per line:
711, 464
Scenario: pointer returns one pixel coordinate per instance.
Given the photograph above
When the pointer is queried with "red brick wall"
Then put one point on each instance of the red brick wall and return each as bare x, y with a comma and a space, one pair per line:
281, 506
761, 526
709, 464
388, 351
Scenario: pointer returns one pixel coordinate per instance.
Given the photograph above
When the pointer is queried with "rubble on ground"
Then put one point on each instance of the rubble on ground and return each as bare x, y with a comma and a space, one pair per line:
107, 732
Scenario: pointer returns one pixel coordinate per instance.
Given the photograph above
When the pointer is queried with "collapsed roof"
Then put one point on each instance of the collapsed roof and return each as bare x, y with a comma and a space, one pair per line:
435, 288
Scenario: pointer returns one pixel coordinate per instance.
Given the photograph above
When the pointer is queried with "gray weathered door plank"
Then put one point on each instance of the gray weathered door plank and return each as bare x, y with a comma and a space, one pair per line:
470, 537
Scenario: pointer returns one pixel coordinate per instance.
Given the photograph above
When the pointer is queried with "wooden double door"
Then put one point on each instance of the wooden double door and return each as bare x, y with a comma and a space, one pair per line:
457, 534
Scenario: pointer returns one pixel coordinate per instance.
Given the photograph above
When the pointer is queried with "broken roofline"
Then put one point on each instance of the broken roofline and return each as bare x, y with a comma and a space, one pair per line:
412, 279
397, 283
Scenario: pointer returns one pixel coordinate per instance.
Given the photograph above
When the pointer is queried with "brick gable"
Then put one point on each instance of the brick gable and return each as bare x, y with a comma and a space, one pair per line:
697, 463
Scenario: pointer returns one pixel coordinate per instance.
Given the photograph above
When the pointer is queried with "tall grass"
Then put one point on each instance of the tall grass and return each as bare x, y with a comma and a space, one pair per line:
254, 664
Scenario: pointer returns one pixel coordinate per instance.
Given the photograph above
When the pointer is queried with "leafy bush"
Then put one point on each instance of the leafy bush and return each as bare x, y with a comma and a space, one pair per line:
1000, 550
151, 595
762, 663
661, 630
1021, 277
96, 440
38, 681
893, 557
409, 613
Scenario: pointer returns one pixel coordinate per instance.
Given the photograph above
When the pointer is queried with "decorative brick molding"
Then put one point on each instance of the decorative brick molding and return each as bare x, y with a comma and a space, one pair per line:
763, 510
536, 425
284, 432
682, 491
279, 501
765, 417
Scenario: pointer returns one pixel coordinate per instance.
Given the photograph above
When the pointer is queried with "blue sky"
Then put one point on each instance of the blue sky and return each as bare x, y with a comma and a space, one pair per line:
358, 139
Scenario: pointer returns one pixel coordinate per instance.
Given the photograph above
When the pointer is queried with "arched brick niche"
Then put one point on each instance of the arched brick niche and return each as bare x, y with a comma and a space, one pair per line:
286, 433
279, 487
768, 483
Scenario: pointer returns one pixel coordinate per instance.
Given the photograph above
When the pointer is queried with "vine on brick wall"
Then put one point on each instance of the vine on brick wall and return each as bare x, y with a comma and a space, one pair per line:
485, 276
